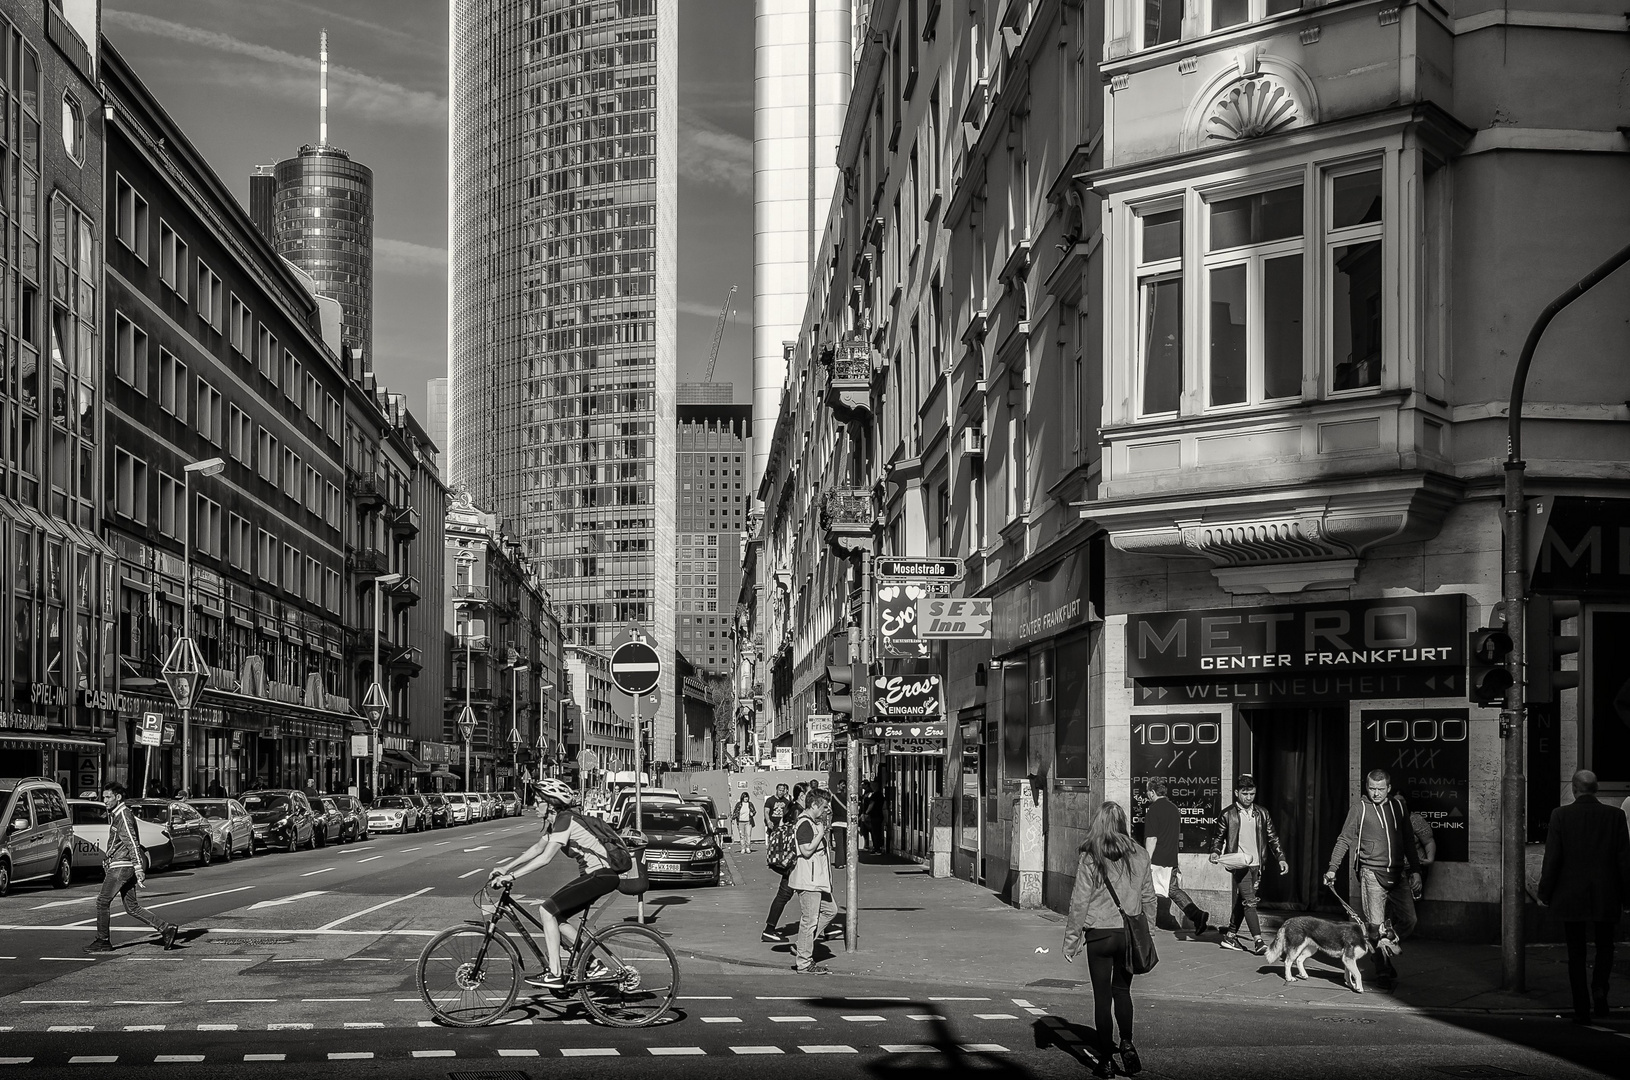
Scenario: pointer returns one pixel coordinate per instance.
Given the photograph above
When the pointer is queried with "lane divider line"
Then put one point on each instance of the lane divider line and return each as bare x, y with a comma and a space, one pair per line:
721, 1019
745, 1050
370, 858
376, 907
154, 907
314, 873
526, 1052
477, 870
825, 1048
675, 1051
589, 1051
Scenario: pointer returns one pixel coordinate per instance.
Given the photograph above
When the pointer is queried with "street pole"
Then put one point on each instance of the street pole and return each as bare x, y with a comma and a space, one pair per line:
373, 673
863, 673
469, 675
1513, 788
639, 817
186, 621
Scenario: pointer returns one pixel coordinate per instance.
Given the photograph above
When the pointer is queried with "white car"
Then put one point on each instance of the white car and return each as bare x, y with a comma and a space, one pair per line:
458, 808
90, 820
393, 813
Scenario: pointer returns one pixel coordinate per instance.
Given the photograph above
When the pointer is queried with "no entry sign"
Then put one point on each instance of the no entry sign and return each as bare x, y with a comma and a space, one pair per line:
635, 668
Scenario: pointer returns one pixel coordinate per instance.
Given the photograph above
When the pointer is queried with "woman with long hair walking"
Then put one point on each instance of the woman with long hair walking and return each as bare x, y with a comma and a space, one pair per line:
1112, 876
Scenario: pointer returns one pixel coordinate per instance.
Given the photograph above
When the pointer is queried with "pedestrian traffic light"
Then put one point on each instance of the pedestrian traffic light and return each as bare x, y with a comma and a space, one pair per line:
840, 679
1489, 661
1547, 645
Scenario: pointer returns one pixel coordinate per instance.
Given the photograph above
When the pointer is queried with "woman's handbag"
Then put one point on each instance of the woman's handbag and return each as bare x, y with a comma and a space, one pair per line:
1141, 957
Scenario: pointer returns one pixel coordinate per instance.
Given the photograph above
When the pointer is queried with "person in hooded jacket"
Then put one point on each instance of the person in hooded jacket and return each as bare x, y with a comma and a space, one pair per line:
1111, 877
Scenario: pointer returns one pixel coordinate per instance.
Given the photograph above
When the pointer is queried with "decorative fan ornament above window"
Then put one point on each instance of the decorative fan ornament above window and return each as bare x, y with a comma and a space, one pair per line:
1252, 108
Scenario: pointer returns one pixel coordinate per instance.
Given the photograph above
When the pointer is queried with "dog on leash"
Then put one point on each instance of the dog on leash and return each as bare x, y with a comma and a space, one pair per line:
1302, 936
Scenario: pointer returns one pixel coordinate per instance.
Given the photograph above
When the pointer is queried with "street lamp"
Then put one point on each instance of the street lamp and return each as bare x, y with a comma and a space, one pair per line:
208, 467
375, 703
515, 670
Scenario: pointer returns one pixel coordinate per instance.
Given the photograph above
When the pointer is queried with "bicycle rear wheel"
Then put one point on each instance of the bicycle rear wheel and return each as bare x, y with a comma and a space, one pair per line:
639, 980
468, 979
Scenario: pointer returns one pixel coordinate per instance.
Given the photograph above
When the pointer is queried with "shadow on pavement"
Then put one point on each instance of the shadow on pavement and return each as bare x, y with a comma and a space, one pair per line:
941, 1052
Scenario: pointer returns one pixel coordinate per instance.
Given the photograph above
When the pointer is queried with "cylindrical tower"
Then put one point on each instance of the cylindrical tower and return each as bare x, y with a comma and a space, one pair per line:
323, 222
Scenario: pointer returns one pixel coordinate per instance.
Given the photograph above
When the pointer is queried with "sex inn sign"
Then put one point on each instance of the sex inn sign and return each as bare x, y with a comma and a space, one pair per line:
906, 695
1352, 636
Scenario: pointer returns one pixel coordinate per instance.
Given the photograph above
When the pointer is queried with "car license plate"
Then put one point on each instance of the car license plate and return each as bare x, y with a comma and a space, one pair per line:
664, 868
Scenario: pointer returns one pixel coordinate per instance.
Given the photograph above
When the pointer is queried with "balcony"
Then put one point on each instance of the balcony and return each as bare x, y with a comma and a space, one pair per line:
361, 645
365, 491
469, 594
474, 643
366, 561
405, 593
405, 522
850, 388
848, 518
409, 660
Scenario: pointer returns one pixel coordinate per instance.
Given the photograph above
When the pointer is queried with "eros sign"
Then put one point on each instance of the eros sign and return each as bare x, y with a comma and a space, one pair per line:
906, 695
1396, 632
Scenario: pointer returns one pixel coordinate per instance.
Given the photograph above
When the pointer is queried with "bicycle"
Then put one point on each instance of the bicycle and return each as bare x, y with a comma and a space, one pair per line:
625, 975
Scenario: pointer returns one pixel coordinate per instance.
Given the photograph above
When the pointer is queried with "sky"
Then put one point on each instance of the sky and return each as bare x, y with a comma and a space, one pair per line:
240, 78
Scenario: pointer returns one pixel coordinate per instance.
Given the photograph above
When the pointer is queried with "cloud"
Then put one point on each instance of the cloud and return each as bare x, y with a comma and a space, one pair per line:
711, 155
405, 257
351, 92
710, 311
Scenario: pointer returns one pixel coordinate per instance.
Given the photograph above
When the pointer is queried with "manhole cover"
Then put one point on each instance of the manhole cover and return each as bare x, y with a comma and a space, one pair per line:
1474, 1071
1066, 984
1345, 1019
509, 1075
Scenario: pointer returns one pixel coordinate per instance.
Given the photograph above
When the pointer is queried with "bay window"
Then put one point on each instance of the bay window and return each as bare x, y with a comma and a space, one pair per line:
1254, 297
1160, 309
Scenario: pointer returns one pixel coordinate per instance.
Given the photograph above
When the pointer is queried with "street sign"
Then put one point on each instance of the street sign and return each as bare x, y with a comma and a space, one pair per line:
954, 618
933, 729
588, 761
818, 729
359, 746
635, 667
929, 569
897, 696
374, 705
152, 728
622, 705
185, 673
466, 722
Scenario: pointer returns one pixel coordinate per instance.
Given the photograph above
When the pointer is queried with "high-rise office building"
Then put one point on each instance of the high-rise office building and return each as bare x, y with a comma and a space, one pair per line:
322, 220
714, 462
435, 395
561, 298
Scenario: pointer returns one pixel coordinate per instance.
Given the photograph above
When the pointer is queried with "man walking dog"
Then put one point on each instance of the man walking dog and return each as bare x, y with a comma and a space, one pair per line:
1378, 837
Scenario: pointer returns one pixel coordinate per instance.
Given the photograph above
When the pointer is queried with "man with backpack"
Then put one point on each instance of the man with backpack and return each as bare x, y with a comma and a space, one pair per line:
1377, 836
601, 857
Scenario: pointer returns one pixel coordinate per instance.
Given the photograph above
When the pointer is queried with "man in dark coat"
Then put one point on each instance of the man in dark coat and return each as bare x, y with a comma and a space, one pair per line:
1585, 882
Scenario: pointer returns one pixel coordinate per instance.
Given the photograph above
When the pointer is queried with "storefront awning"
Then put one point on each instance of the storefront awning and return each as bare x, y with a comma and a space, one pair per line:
404, 760
9, 741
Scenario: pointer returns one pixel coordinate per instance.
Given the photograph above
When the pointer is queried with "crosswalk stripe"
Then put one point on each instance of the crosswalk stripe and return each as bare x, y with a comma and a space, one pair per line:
674, 1051
994, 1016
721, 1019
828, 1048
906, 1048
263, 1057
165, 1059
15, 1060
434, 1053
792, 1019
352, 1055
985, 1048
93, 1059
745, 1050
589, 1051
526, 1052
864, 1019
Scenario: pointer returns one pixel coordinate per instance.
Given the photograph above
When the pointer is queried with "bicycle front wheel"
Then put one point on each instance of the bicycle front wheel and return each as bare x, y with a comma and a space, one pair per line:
632, 976
467, 978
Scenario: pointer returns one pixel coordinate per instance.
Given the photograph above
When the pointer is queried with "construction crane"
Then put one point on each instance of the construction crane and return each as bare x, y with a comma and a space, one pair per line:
718, 334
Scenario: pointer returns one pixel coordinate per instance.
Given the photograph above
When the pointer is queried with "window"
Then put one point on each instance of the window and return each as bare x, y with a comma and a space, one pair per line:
266, 459
1353, 240
291, 569
238, 540
130, 352
239, 323
209, 296
129, 486
1160, 310
169, 505
130, 218
207, 526
266, 354
1253, 282
291, 473
291, 375
314, 398
172, 385
73, 129
240, 435
1226, 13
207, 419
332, 418
172, 259
311, 490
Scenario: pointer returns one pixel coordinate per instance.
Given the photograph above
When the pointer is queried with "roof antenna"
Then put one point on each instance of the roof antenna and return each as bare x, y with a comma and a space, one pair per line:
322, 92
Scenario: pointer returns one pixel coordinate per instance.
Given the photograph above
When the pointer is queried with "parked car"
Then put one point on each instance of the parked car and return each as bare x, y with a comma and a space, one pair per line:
90, 821
624, 796
329, 822
426, 817
282, 817
38, 837
681, 842
190, 834
438, 809
696, 798
393, 813
511, 803
229, 825
355, 815
491, 809
458, 808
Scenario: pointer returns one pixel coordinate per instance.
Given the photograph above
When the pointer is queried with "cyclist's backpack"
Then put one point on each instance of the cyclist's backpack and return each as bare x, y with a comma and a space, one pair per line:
617, 856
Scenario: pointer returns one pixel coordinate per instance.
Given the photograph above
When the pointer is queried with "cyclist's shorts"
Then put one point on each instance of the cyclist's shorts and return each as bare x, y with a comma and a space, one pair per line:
578, 894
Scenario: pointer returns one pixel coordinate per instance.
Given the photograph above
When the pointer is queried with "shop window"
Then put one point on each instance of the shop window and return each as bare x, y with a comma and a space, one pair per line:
1016, 719
1070, 710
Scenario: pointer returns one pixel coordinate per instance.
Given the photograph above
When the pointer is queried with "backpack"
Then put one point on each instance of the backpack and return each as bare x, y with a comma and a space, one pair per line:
782, 850
617, 856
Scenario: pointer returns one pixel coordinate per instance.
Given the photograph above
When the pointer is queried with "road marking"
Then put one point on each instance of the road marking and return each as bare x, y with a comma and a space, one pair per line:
51, 1001
335, 999
15, 1060
71, 1027
829, 1049
93, 1059
364, 1024
280, 901
289, 1027
370, 858
155, 907
73, 959
226, 959
373, 959
376, 907
350, 1055
589, 1051
64, 903
217, 1027
441, 843
906, 1048
435, 1053
744, 1050
314, 873
792, 1019
480, 847
240, 1001
994, 1016
924, 1016
799, 998
263, 1057
703, 997
477, 870
404, 852
144, 1027
986, 1048
957, 999
864, 1019
147, 1003
528, 1052
163, 1059
721, 1019
299, 960
674, 1051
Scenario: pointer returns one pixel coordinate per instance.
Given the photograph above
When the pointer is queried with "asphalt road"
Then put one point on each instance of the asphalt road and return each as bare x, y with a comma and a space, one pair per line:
301, 965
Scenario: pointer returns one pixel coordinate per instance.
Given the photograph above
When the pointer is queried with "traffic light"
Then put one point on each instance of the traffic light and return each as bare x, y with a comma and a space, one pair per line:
840, 679
1547, 645
1489, 661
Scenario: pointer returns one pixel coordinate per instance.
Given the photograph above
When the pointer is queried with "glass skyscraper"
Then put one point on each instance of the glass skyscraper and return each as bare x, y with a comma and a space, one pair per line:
323, 222
562, 289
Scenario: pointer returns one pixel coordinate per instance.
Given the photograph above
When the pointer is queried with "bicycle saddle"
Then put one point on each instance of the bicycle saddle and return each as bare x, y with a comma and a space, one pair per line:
633, 886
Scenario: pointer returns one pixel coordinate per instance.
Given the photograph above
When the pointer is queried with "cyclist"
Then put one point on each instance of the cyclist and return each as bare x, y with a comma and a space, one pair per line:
601, 856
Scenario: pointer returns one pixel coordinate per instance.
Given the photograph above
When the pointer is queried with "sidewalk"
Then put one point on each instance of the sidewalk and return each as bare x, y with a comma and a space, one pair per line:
920, 929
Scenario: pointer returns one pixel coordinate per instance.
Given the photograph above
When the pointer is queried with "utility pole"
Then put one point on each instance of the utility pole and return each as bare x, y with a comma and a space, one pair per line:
863, 680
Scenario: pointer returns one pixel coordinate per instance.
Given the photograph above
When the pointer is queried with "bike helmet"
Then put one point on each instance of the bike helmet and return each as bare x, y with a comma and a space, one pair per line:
556, 791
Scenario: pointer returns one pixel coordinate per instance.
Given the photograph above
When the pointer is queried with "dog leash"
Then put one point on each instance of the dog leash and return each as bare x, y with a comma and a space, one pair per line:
1342, 900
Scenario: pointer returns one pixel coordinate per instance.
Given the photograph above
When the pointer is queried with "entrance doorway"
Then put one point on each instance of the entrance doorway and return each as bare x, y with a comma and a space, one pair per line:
1299, 757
